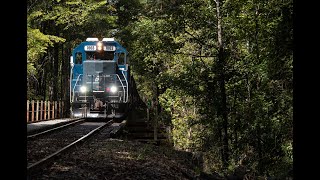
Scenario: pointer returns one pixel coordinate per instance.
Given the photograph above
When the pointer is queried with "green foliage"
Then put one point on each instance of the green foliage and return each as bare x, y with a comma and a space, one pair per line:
55, 25
173, 56
258, 72
186, 129
38, 43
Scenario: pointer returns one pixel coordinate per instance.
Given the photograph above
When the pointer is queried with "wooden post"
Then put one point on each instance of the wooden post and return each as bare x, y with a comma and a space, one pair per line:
62, 109
52, 110
28, 110
37, 111
41, 110
49, 110
59, 109
32, 110
55, 110
45, 110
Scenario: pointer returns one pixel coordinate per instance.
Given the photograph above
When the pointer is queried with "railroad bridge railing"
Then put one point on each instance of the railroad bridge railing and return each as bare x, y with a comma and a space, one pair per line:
44, 110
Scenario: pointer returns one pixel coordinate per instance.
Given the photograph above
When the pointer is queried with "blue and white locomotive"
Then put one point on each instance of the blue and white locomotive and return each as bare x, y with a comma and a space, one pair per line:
99, 79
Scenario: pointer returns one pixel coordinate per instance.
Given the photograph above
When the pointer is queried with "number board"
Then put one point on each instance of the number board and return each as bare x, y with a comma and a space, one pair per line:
109, 48
90, 48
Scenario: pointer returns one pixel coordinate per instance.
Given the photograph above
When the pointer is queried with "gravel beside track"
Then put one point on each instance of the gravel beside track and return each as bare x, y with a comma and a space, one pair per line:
47, 144
104, 158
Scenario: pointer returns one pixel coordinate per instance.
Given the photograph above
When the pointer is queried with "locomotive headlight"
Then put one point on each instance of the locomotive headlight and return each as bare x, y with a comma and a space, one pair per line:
113, 89
83, 89
99, 45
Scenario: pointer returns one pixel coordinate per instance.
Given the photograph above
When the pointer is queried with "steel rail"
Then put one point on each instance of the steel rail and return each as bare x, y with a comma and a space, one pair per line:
53, 129
41, 162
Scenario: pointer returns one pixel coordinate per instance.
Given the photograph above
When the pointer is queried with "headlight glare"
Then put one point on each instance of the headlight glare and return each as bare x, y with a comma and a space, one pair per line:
113, 89
83, 89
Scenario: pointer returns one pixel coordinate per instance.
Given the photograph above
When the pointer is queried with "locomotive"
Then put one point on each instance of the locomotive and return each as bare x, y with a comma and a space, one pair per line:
100, 81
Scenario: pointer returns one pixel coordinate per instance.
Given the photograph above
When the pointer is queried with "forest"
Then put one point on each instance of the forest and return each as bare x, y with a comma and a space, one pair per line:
218, 73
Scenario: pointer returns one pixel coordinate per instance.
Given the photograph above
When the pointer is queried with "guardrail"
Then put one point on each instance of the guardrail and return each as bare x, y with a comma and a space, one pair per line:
44, 110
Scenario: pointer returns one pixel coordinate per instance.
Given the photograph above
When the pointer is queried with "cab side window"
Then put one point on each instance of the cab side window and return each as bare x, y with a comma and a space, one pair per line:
121, 59
78, 58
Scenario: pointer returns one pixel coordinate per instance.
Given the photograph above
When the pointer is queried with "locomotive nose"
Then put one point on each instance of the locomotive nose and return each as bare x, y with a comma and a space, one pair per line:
97, 74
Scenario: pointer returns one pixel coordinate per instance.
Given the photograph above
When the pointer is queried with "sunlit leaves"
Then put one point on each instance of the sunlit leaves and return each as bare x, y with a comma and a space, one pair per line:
38, 43
187, 131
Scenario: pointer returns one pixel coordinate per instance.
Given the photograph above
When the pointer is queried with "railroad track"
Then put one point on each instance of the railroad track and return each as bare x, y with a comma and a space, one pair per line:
45, 148
54, 129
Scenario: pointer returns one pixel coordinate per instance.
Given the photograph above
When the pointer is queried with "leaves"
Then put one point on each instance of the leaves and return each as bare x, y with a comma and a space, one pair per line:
173, 55
38, 43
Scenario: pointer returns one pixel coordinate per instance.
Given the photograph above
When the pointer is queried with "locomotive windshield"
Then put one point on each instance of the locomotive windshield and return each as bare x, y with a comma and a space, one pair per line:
102, 55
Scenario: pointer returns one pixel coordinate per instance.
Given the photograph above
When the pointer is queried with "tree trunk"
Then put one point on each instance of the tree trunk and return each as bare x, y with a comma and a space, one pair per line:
221, 81
66, 68
257, 52
55, 72
44, 85
62, 75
